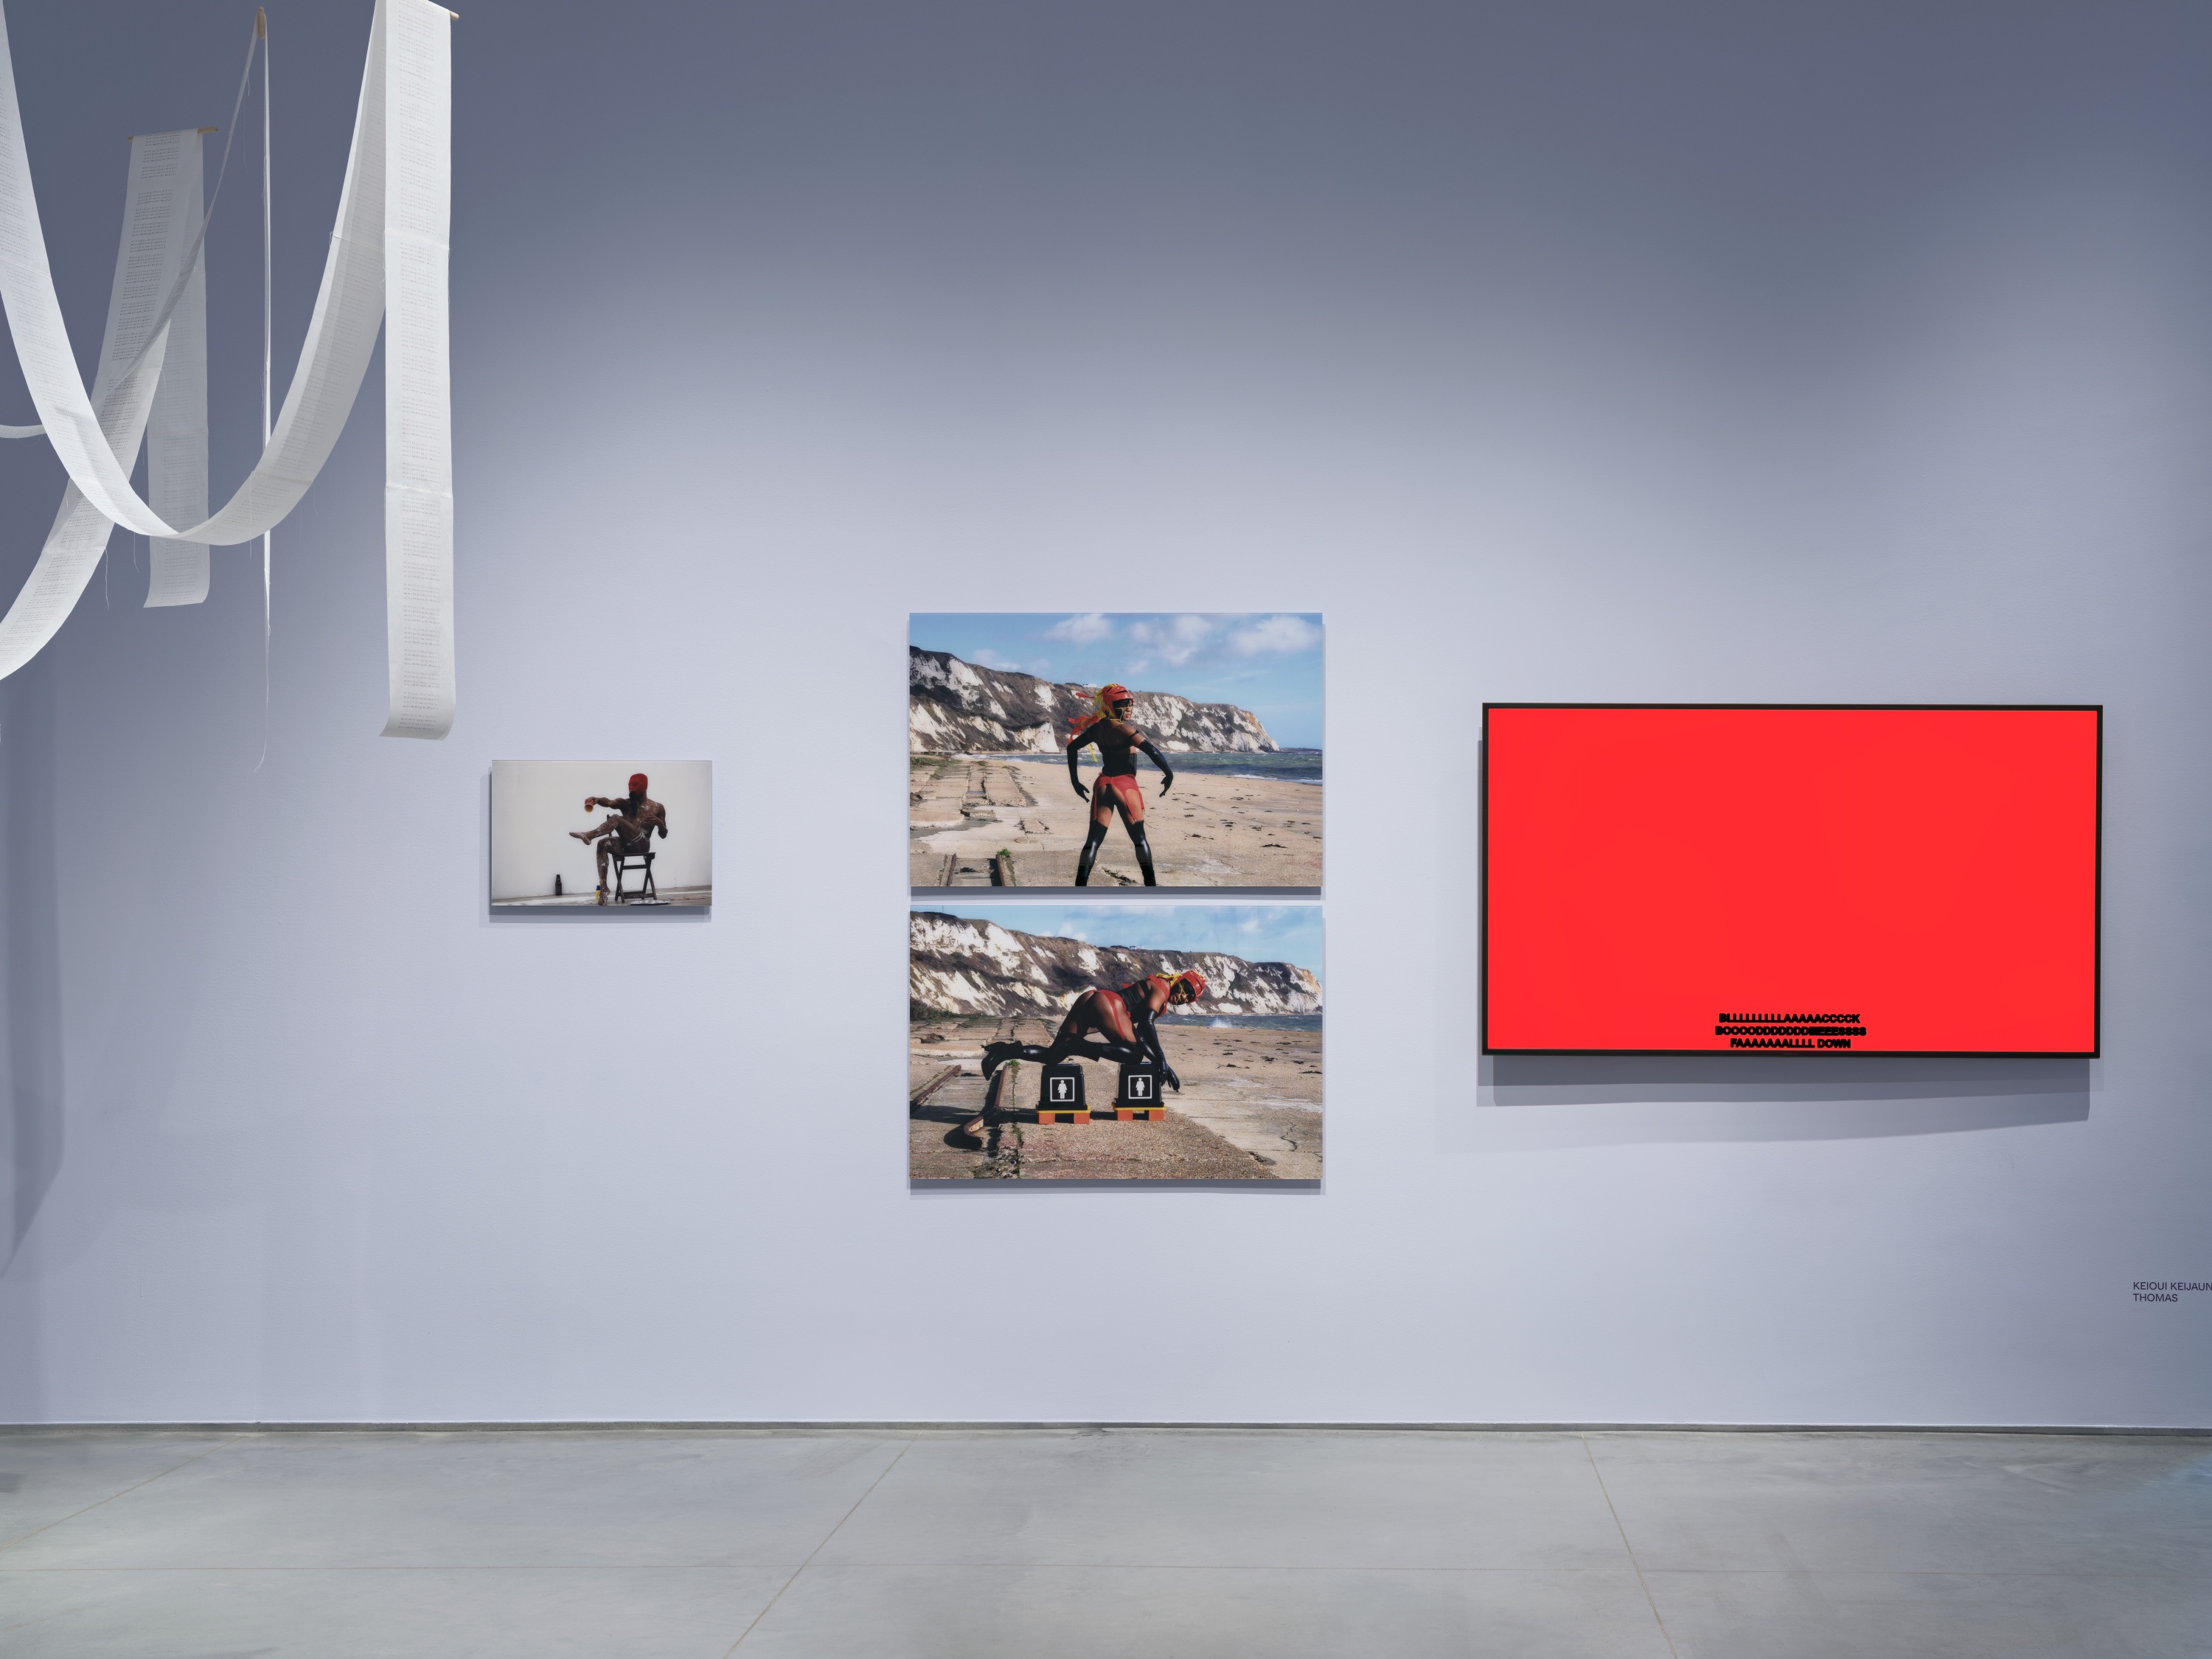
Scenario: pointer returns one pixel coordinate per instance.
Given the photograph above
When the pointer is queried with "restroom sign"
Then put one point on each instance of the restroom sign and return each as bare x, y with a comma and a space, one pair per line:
1060, 1089
1140, 1085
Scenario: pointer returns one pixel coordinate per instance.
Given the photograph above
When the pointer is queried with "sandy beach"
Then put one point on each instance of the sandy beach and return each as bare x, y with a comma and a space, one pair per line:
1251, 1109
1209, 830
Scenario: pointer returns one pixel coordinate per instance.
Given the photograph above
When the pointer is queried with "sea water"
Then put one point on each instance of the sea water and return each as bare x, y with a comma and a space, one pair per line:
1231, 1021
1291, 765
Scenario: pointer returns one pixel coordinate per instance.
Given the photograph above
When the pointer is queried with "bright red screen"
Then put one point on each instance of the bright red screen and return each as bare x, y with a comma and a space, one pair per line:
1915, 880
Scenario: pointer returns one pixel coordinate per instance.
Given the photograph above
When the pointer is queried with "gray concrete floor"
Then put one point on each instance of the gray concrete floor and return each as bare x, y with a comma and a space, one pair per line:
1152, 1544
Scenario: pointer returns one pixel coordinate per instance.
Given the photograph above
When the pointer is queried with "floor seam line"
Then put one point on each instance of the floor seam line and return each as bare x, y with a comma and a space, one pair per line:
1651, 1601
816, 1551
158, 1474
1132, 1567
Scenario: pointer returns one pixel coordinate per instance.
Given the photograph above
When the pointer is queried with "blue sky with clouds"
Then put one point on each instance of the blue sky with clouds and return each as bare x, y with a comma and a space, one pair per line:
1257, 932
1269, 662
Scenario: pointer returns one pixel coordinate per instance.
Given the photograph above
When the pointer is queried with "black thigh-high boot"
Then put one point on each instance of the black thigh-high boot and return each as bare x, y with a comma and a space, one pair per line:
1090, 845
1143, 854
1107, 1052
996, 1055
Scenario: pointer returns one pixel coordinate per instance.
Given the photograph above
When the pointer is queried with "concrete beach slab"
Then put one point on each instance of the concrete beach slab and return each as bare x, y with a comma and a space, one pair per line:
1209, 830
1249, 1109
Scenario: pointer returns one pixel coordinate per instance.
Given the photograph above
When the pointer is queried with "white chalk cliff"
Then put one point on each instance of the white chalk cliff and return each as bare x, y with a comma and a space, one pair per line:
956, 708
960, 966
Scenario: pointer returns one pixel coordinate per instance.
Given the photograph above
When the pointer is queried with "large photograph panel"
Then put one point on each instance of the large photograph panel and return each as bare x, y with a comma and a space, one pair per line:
1115, 1042
1195, 743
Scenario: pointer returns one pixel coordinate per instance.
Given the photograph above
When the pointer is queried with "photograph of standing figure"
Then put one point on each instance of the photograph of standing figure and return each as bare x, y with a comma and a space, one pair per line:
1192, 744
611, 836
1117, 742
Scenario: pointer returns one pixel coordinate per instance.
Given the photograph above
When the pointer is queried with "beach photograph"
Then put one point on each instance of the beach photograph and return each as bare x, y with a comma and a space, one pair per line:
1115, 1042
1112, 750
602, 836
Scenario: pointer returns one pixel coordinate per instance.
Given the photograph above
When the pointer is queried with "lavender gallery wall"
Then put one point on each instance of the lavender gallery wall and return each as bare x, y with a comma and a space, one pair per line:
1548, 352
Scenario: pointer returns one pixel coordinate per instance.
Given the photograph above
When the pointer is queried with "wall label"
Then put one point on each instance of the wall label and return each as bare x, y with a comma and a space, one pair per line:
2161, 1289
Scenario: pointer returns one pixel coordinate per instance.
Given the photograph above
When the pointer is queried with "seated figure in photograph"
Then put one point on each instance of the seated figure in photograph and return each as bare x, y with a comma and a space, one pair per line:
1118, 742
629, 830
1123, 1018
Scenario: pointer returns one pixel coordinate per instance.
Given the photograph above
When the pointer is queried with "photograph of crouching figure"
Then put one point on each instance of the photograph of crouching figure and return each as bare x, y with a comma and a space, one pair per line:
1115, 1042
604, 834
1123, 1020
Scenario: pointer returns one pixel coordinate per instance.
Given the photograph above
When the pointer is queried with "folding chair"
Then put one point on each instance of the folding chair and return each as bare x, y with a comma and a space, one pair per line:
640, 860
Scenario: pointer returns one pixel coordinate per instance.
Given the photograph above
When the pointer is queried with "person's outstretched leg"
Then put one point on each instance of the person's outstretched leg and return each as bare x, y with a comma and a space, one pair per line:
1105, 1050
602, 849
1072, 1030
1109, 1052
1092, 1012
996, 1055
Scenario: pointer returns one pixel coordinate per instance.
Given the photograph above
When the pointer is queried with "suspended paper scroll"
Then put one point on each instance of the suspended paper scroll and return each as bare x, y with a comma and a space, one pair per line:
401, 135
177, 429
418, 447
159, 229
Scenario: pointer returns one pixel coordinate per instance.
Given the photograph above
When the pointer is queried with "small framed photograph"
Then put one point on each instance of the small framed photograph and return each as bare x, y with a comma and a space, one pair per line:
604, 835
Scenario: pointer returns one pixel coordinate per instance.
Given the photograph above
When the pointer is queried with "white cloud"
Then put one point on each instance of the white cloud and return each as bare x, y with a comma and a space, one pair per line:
991, 659
1177, 640
1285, 634
1092, 625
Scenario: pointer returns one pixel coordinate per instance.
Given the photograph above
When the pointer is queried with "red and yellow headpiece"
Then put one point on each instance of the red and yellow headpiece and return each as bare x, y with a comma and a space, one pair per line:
1101, 706
1189, 980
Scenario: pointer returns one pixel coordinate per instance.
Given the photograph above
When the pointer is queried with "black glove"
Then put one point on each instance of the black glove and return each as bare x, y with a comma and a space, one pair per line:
1167, 1073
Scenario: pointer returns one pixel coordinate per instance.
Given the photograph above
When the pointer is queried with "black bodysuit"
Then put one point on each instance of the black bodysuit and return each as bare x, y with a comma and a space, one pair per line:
1117, 754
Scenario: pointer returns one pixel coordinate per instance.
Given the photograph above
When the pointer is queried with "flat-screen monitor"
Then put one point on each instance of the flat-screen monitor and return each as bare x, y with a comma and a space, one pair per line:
1765, 878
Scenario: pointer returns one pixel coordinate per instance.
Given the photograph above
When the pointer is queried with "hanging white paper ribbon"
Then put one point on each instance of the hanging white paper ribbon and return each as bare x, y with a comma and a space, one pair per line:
418, 445
160, 208
177, 429
396, 176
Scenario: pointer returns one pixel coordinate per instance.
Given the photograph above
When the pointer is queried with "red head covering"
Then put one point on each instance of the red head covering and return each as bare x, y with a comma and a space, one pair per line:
1101, 706
1189, 976
637, 783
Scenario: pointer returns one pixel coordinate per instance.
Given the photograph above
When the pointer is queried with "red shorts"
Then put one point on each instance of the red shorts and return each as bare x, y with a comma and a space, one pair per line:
1105, 1012
1108, 791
